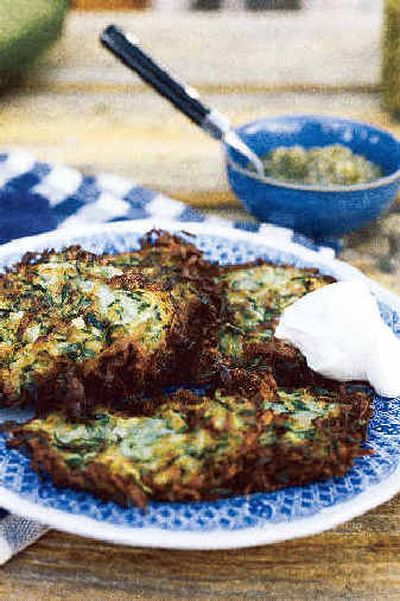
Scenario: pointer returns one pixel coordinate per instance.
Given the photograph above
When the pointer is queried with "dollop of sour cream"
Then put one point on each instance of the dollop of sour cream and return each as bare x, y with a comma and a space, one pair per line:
339, 330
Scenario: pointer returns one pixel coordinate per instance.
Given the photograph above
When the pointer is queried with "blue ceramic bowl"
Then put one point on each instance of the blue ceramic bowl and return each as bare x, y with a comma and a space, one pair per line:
316, 211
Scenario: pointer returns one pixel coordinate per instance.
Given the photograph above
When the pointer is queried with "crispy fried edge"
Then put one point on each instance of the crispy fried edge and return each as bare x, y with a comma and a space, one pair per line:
275, 355
112, 374
289, 367
253, 468
279, 466
125, 490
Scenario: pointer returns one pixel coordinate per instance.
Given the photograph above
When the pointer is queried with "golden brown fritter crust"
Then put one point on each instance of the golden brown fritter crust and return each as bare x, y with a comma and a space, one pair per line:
249, 319
168, 267
262, 384
250, 392
275, 448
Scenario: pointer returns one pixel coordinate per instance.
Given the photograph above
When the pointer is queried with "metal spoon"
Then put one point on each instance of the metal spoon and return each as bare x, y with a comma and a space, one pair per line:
184, 98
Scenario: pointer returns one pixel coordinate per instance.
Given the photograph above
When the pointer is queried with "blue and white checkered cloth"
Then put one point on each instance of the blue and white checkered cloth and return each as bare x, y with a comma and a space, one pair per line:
37, 197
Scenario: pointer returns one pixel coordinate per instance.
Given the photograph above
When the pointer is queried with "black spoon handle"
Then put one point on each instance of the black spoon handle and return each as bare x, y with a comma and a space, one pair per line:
185, 99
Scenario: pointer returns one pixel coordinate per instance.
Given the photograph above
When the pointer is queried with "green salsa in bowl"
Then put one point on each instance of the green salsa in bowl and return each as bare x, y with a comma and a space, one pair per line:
321, 165
325, 176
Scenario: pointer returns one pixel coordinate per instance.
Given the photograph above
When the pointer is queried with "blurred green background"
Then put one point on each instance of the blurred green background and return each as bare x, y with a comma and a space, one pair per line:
27, 27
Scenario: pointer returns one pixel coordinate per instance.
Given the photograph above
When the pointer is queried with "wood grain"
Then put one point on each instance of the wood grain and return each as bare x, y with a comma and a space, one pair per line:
136, 135
82, 109
359, 560
235, 49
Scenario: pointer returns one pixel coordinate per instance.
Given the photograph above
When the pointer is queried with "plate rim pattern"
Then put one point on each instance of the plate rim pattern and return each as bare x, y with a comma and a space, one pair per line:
326, 518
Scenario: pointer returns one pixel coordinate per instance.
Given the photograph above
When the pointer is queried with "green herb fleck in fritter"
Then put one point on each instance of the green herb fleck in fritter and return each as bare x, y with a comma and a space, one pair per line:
193, 448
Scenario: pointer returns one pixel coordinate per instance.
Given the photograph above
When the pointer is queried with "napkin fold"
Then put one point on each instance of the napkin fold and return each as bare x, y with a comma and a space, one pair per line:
37, 197
17, 533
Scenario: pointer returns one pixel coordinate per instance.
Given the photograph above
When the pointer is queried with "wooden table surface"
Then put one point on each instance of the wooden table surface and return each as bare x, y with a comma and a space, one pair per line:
359, 560
81, 108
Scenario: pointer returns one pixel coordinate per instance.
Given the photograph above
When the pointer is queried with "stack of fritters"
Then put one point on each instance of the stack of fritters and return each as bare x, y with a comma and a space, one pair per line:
113, 330
78, 330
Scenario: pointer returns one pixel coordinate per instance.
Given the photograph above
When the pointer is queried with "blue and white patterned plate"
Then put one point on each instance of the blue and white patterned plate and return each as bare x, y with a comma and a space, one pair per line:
239, 521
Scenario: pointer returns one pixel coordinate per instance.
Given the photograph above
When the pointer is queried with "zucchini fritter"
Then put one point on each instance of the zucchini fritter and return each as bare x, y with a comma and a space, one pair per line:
94, 340
77, 330
255, 296
249, 436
